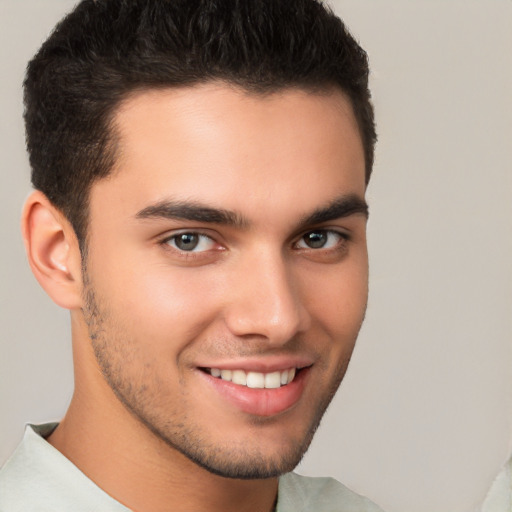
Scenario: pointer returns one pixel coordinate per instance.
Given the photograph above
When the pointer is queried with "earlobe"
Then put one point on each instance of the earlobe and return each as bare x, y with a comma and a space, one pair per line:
52, 251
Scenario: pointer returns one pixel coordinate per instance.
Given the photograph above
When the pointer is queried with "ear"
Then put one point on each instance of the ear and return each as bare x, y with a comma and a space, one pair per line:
52, 250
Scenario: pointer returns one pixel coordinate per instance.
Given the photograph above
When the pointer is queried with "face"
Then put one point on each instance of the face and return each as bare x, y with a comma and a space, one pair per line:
226, 276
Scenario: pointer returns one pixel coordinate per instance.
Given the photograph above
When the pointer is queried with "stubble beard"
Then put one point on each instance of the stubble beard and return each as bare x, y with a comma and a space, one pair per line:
112, 351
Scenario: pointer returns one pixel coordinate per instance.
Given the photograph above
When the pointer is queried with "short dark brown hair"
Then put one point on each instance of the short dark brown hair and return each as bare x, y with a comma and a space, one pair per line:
105, 49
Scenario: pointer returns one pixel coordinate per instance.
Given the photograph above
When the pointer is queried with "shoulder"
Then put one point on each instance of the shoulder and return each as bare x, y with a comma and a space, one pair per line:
19, 479
499, 497
303, 494
39, 478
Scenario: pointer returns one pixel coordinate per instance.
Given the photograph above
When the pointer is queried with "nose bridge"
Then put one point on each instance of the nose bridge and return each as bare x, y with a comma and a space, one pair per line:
267, 300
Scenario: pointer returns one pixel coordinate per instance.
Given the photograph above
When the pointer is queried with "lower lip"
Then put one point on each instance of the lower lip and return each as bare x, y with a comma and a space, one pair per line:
260, 402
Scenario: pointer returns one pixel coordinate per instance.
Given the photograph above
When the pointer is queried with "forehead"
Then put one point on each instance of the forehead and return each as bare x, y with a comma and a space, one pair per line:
225, 147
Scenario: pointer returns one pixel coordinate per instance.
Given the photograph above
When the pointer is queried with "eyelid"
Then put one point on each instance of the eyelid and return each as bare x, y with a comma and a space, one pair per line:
164, 240
171, 233
340, 232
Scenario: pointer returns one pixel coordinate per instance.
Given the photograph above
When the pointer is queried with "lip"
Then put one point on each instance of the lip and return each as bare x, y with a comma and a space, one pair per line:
266, 365
259, 402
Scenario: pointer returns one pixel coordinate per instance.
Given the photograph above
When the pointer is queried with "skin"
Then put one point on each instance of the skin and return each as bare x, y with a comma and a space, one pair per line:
145, 422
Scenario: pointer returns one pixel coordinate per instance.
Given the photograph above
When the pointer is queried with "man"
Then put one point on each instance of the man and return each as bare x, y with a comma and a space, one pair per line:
200, 170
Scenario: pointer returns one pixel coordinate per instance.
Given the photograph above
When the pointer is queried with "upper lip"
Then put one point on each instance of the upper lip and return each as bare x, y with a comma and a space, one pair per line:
262, 365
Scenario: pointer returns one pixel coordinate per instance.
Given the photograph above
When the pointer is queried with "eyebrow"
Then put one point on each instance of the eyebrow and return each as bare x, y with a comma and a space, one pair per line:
343, 206
193, 211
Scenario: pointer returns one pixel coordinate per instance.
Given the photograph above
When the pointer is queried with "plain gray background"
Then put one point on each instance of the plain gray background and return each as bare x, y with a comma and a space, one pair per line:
423, 421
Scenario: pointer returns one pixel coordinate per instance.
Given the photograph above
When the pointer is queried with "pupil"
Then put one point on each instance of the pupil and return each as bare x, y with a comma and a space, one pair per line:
316, 239
187, 241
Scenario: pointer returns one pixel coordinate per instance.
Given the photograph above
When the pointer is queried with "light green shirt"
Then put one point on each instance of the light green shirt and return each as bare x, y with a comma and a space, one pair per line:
499, 497
38, 478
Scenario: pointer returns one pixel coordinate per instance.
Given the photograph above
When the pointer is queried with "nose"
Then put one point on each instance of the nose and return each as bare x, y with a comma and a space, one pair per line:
265, 300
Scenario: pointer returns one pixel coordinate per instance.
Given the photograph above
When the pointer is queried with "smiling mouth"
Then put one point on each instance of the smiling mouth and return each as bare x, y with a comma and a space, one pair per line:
255, 380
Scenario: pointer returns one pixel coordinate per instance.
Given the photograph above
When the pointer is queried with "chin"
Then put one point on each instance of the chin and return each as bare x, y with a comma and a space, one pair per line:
258, 455
244, 465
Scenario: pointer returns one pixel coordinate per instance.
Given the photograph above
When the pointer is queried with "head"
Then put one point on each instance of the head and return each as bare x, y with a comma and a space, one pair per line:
210, 159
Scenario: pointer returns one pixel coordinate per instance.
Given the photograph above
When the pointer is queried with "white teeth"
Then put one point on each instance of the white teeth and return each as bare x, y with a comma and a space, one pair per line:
255, 380
239, 377
226, 374
273, 380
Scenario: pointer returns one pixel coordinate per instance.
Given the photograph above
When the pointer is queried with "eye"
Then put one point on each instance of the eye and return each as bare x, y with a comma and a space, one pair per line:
190, 242
321, 239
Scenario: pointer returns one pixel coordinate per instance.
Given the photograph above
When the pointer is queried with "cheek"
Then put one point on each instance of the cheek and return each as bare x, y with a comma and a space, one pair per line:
340, 301
157, 305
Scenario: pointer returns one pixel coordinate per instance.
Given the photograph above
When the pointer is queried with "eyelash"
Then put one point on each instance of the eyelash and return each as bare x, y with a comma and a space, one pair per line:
344, 238
200, 235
